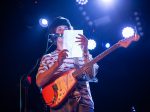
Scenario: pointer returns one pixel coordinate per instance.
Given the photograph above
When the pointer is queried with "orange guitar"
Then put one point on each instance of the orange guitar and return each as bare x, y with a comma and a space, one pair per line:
58, 90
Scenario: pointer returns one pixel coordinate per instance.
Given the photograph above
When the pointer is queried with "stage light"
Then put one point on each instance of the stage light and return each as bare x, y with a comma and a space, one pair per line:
107, 1
83, 13
80, 8
107, 5
87, 18
128, 32
138, 23
90, 23
82, 2
137, 18
107, 45
43, 22
140, 29
91, 44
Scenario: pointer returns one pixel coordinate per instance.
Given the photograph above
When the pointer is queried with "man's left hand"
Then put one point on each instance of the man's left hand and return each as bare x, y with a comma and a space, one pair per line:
83, 41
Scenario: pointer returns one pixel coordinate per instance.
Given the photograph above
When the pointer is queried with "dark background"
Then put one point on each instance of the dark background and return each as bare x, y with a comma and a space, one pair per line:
124, 75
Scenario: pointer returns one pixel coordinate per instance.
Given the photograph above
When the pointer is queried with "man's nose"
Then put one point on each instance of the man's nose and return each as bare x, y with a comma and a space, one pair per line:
61, 31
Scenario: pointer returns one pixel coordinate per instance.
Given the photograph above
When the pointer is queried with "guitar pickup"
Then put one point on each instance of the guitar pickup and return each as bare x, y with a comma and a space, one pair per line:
55, 87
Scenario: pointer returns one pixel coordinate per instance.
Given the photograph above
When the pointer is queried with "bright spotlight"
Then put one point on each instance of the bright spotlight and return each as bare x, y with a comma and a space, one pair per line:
82, 2
107, 45
107, 4
91, 44
43, 22
127, 32
107, 1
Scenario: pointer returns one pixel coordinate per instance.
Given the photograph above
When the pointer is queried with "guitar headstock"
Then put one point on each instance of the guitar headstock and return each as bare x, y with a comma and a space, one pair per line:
126, 42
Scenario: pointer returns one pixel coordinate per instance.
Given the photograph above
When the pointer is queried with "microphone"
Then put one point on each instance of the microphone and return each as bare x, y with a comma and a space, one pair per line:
52, 37
55, 35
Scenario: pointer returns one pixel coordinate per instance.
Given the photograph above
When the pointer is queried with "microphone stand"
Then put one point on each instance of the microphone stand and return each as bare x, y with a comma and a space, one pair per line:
20, 94
25, 78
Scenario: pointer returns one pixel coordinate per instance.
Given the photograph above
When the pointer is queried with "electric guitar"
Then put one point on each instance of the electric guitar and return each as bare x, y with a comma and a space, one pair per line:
57, 91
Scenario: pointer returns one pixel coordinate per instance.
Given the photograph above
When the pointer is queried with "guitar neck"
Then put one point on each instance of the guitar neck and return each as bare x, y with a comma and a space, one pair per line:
96, 59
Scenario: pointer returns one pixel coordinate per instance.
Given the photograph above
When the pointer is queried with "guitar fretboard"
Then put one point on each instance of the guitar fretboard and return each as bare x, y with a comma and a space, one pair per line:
96, 59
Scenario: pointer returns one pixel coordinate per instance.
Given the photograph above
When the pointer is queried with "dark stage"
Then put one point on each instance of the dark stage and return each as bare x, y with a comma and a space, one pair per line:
123, 76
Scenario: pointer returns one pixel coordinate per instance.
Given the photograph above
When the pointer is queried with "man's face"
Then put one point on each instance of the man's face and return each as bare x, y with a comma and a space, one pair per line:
60, 29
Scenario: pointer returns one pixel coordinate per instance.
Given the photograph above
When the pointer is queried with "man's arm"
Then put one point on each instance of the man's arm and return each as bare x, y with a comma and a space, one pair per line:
43, 78
48, 73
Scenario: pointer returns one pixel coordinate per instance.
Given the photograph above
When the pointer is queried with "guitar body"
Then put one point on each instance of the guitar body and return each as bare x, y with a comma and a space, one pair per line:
57, 91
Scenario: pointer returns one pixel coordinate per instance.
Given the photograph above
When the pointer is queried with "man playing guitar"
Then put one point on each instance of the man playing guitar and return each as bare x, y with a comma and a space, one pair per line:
71, 92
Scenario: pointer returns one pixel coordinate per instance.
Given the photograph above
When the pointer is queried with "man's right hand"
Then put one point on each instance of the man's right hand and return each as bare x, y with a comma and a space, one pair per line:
61, 56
